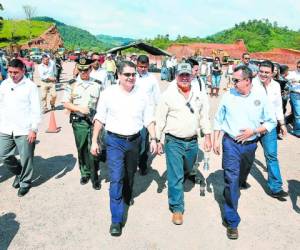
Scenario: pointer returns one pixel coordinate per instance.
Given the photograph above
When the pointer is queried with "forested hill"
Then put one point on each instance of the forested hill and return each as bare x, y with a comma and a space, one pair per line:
259, 35
114, 41
74, 37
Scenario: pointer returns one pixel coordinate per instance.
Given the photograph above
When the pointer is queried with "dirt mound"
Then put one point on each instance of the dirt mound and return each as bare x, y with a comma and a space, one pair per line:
49, 40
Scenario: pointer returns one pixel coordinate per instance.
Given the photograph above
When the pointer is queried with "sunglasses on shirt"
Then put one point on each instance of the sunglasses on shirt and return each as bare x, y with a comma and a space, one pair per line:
190, 107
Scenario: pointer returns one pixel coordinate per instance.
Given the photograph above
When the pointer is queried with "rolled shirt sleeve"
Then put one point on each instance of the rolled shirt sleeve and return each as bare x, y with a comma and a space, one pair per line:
161, 117
101, 113
35, 108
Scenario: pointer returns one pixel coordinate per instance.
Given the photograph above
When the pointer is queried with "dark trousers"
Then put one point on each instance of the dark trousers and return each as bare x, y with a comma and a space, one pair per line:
88, 164
23, 169
122, 159
236, 162
143, 159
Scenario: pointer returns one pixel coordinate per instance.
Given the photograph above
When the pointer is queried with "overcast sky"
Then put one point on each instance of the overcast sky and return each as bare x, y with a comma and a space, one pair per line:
146, 19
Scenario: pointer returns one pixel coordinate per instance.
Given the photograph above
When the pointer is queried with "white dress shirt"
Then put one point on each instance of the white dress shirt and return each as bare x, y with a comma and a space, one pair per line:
122, 112
274, 95
101, 75
46, 71
20, 109
149, 85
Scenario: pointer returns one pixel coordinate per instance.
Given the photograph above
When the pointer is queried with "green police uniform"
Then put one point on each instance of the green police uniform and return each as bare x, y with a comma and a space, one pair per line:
85, 94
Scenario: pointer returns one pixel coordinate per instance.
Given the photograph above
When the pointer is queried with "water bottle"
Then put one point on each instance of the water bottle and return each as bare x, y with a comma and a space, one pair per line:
206, 165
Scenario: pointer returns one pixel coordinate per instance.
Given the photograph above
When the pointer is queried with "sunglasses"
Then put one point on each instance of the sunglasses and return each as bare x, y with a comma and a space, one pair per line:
190, 107
247, 58
129, 74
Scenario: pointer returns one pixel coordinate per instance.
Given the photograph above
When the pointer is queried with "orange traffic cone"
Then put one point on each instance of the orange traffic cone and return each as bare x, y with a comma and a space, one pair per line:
52, 124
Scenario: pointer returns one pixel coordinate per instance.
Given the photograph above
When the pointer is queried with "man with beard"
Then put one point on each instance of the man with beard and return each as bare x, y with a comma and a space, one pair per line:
180, 114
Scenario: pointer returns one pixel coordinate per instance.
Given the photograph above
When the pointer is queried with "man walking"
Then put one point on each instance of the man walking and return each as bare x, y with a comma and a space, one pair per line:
243, 114
19, 119
148, 84
265, 82
124, 110
81, 99
97, 72
180, 114
47, 75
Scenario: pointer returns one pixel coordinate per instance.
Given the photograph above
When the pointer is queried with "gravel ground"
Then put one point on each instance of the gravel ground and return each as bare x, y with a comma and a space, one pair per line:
59, 213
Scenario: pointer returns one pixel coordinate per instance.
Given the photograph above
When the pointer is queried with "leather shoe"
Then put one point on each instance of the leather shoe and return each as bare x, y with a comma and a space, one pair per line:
115, 229
22, 191
245, 185
280, 194
96, 185
177, 218
16, 183
232, 233
84, 180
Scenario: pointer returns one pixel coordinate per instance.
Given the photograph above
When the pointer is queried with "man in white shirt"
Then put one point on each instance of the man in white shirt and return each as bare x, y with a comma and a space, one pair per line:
265, 81
97, 72
19, 119
124, 110
294, 78
148, 84
47, 74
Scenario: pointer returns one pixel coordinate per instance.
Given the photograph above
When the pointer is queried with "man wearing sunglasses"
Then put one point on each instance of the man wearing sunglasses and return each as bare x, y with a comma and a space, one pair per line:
180, 114
98, 73
242, 115
245, 60
265, 82
124, 110
81, 99
148, 84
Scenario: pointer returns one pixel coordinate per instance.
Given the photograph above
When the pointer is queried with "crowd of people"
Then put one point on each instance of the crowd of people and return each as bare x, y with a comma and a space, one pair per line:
119, 116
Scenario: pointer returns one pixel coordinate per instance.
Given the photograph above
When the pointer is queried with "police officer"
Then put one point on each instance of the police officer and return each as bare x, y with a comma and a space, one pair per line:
81, 99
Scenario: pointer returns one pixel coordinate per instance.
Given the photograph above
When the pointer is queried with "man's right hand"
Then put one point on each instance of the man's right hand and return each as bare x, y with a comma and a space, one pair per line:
95, 149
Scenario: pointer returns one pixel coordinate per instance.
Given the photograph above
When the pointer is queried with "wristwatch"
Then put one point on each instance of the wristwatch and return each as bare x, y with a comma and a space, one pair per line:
154, 139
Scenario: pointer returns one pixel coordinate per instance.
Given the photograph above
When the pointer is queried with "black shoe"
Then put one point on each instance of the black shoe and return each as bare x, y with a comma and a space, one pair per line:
129, 202
84, 180
52, 107
232, 233
280, 194
96, 185
115, 229
245, 185
22, 191
16, 183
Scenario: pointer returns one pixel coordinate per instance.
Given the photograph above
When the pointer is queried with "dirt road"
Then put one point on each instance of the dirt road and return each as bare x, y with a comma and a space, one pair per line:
59, 213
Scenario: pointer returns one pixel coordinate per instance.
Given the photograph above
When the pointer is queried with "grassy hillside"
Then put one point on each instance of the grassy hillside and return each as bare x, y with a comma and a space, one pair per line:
18, 31
74, 37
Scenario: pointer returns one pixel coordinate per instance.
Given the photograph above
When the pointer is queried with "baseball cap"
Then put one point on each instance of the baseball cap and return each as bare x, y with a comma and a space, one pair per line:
184, 68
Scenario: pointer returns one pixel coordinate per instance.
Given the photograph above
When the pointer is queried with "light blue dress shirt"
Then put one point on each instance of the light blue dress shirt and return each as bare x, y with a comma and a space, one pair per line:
237, 112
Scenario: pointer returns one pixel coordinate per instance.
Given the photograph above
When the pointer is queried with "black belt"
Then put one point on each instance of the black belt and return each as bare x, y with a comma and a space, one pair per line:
296, 92
125, 137
240, 142
194, 137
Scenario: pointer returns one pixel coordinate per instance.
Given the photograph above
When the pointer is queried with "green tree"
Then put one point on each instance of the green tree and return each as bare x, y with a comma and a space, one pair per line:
1, 18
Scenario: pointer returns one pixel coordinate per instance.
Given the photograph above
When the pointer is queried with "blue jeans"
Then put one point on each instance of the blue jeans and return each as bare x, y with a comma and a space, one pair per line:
237, 159
215, 81
122, 160
180, 157
269, 144
204, 79
295, 103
